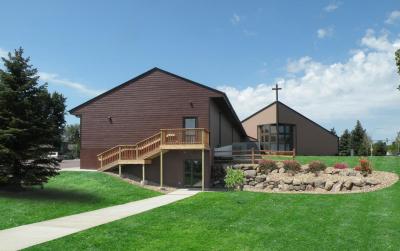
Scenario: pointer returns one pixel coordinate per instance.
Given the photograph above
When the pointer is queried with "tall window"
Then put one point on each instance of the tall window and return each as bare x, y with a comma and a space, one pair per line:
268, 137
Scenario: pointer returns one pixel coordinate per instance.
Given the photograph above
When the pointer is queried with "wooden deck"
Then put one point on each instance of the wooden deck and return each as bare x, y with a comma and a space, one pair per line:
144, 151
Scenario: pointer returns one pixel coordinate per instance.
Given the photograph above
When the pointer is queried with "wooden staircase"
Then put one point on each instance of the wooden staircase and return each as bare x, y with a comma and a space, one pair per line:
146, 150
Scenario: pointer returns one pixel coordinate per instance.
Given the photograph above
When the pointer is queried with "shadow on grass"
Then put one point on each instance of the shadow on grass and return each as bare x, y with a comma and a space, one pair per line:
51, 194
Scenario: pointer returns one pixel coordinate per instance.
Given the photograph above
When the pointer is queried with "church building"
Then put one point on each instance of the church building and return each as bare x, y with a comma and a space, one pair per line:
277, 127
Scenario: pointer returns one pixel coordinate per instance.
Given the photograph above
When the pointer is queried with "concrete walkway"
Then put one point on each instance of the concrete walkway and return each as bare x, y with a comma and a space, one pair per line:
28, 235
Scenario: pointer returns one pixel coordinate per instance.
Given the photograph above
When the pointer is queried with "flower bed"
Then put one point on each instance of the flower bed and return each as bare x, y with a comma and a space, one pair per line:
291, 177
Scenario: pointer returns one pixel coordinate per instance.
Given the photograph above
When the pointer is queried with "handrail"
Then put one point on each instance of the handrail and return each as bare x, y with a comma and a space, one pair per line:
176, 136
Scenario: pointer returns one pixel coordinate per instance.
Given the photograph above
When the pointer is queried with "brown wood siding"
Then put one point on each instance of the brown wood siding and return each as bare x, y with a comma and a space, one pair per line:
311, 138
266, 116
173, 168
139, 110
229, 133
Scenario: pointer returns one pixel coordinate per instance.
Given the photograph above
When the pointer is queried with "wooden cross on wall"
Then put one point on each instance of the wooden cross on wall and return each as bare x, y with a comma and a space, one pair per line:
276, 89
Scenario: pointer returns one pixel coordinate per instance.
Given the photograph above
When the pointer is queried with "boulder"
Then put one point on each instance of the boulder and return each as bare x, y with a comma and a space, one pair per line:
274, 171
309, 187
344, 172
305, 168
357, 181
252, 183
247, 187
269, 187
308, 180
288, 180
296, 181
259, 185
302, 187
281, 170
356, 188
329, 170
320, 190
352, 173
371, 181
335, 171
348, 184
285, 187
296, 188
337, 187
250, 173
328, 185
279, 164
260, 178
319, 183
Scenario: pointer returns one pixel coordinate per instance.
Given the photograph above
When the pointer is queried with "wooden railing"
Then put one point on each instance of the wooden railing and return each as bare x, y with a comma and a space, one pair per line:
151, 145
182, 136
254, 155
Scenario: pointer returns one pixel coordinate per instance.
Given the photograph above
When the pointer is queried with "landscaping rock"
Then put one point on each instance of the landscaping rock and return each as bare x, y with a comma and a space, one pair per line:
319, 183
279, 164
259, 185
305, 168
329, 170
352, 173
309, 187
357, 181
274, 171
344, 172
335, 171
296, 181
252, 183
337, 187
308, 181
328, 185
247, 187
281, 170
347, 184
260, 178
296, 188
288, 180
356, 188
371, 181
250, 173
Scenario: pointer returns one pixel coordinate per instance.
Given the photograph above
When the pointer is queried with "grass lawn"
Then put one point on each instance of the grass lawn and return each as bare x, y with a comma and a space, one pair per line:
257, 221
66, 194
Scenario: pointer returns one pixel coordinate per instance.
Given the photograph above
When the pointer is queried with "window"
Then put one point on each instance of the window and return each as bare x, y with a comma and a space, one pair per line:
190, 122
269, 138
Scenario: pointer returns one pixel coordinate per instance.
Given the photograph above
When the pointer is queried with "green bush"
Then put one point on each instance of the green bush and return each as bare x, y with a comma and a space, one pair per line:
316, 166
291, 166
267, 164
234, 178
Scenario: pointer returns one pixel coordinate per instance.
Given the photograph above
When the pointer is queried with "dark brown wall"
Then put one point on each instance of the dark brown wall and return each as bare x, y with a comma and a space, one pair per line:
173, 167
229, 133
139, 110
311, 138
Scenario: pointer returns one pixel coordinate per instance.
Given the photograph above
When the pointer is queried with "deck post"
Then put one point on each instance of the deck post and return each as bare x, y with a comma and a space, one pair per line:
119, 153
119, 170
143, 176
101, 161
161, 169
202, 169
252, 155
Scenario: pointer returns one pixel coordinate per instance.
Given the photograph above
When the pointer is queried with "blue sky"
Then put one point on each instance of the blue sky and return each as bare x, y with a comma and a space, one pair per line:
334, 59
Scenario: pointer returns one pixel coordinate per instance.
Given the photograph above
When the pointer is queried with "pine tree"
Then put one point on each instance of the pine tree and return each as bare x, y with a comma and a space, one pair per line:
359, 140
344, 143
333, 131
31, 123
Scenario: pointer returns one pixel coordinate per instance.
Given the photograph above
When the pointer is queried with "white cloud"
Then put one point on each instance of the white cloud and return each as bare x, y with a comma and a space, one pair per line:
52, 78
325, 32
393, 17
359, 87
235, 19
3, 53
331, 7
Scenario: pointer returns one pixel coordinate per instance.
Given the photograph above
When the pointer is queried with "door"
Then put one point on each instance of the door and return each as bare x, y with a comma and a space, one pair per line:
192, 173
190, 135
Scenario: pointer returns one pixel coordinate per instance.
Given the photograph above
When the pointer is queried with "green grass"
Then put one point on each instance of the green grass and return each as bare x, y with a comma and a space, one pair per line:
66, 194
257, 221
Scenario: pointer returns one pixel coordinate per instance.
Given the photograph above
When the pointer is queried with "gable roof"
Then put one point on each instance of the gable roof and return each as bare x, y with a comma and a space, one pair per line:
291, 109
131, 81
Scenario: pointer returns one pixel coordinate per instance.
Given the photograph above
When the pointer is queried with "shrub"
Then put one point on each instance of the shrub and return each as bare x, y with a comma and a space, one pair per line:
267, 164
341, 166
365, 167
234, 178
292, 166
316, 166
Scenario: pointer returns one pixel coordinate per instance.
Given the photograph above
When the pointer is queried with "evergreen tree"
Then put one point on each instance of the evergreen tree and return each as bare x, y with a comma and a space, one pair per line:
31, 124
358, 140
333, 131
344, 143
380, 148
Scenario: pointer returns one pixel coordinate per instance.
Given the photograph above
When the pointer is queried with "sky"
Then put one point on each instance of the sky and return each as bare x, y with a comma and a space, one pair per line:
333, 59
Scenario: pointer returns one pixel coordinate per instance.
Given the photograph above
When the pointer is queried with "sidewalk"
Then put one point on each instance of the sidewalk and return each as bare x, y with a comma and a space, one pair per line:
28, 235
